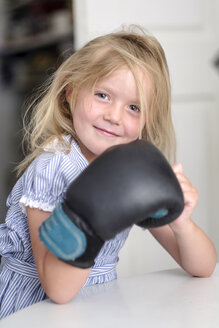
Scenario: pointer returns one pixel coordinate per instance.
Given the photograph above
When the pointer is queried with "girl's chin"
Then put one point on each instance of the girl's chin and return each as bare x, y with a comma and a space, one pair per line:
93, 152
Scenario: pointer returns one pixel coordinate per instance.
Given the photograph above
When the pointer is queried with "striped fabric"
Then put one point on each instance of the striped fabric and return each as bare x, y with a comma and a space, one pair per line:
42, 186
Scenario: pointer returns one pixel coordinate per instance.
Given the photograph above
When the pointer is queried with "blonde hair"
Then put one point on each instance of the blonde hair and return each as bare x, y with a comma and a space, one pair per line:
51, 115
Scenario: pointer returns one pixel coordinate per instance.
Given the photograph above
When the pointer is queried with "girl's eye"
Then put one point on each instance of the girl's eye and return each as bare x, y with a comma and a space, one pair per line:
134, 108
101, 95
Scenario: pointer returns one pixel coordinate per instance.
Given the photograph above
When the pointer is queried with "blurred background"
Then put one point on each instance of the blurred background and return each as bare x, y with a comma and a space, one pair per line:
37, 35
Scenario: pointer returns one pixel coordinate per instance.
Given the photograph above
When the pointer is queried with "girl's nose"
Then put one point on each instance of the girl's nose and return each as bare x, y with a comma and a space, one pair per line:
113, 114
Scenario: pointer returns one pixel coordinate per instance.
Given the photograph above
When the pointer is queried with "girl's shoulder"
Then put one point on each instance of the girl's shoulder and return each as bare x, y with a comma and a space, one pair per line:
57, 160
45, 181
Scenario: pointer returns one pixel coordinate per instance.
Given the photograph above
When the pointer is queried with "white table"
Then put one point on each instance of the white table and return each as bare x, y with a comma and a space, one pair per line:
163, 299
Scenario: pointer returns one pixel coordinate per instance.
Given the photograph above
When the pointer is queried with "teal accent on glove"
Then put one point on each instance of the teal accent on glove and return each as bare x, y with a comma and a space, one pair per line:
61, 236
160, 214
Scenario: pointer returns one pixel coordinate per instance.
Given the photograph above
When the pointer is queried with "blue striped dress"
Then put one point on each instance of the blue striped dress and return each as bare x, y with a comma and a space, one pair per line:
42, 186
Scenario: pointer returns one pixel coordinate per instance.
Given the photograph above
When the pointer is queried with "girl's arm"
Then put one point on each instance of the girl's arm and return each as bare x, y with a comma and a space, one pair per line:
183, 239
60, 281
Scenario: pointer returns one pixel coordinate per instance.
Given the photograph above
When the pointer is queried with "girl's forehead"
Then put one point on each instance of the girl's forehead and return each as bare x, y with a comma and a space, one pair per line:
124, 78
138, 73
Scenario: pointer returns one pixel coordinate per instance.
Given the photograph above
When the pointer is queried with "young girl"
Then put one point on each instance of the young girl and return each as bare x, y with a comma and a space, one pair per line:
112, 91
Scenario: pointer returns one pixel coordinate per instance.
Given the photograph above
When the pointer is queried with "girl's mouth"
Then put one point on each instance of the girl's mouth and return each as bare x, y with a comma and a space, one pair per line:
106, 132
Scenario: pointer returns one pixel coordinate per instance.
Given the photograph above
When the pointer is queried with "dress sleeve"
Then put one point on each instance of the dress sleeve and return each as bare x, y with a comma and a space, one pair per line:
46, 180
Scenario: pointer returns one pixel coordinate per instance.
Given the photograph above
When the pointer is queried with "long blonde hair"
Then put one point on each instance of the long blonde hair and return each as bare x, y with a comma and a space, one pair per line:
52, 116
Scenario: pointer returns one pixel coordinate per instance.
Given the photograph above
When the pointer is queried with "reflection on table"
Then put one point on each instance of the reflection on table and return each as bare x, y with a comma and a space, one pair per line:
163, 299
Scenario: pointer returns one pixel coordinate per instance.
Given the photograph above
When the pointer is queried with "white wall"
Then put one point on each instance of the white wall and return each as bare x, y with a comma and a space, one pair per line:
188, 31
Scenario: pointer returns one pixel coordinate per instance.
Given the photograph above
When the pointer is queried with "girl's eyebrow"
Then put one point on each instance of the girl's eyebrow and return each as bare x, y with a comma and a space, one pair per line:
103, 87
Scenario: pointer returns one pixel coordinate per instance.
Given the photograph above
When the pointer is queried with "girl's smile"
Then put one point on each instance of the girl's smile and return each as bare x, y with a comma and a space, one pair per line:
106, 132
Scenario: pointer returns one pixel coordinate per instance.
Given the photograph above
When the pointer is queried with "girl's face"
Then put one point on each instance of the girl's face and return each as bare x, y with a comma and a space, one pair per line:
110, 114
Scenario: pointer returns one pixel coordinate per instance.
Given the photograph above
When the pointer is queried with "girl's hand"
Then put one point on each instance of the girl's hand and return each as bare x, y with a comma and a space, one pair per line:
183, 239
190, 198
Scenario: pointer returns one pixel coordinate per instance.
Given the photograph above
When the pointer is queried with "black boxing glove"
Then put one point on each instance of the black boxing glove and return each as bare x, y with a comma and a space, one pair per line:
128, 184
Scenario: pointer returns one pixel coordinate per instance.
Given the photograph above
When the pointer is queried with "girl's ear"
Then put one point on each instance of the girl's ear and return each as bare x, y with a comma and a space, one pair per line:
68, 94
